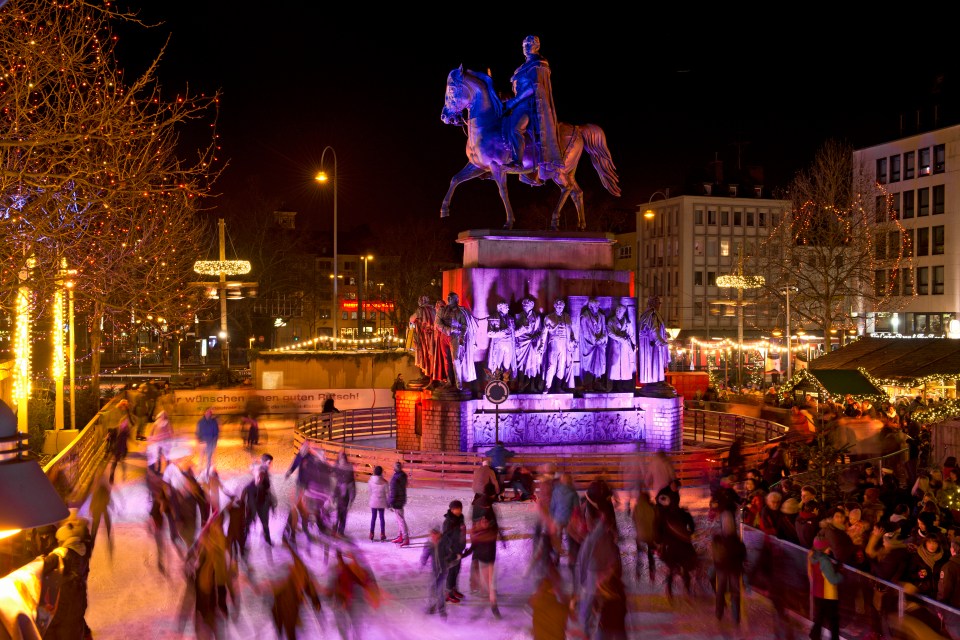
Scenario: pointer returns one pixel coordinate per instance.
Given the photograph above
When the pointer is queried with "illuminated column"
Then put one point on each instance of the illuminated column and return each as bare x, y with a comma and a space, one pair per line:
56, 366
21, 349
71, 358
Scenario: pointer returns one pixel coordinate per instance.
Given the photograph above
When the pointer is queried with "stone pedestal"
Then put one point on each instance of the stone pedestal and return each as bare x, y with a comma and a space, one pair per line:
506, 266
426, 423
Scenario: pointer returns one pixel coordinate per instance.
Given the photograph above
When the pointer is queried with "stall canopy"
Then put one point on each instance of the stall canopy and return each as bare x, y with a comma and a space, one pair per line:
837, 383
896, 358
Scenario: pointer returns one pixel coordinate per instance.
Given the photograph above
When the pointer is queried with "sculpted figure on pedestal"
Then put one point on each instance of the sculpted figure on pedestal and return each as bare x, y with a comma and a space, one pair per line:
593, 346
621, 355
528, 325
557, 343
457, 347
502, 351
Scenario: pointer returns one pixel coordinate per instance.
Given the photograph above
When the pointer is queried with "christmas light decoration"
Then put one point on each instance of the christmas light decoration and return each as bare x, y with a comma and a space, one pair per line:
227, 267
21, 350
57, 365
740, 281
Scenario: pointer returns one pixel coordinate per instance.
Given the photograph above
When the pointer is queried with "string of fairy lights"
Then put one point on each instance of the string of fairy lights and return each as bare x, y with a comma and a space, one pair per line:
330, 341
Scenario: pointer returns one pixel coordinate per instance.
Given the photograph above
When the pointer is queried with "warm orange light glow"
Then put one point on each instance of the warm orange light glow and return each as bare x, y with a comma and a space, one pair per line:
322, 177
649, 214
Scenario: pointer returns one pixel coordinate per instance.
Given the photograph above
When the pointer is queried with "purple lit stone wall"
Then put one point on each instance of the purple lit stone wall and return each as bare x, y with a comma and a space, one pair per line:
545, 420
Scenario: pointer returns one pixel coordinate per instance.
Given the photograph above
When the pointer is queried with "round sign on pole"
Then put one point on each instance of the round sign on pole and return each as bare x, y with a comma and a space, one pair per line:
496, 391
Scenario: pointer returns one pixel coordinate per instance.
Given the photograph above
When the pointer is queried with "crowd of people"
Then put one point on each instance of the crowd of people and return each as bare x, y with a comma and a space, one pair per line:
896, 519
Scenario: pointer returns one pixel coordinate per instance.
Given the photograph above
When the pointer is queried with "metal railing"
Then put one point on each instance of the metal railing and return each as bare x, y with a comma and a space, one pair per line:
331, 432
860, 592
712, 426
350, 425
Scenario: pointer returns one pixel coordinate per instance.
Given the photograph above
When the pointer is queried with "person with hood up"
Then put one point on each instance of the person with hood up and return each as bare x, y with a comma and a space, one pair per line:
377, 488
71, 559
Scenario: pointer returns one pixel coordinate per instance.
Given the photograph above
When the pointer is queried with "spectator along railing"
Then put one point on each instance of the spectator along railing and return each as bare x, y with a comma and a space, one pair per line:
869, 606
331, 432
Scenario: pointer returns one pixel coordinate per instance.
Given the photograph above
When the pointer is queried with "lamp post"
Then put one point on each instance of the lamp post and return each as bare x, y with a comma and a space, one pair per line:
222, 268
740, 282
322, 177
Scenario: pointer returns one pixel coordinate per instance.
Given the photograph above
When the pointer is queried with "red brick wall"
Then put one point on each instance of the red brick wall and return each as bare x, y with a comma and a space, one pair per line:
441, 422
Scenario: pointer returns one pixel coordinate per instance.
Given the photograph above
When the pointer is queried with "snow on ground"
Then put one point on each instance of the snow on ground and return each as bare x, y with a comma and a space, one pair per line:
129, 598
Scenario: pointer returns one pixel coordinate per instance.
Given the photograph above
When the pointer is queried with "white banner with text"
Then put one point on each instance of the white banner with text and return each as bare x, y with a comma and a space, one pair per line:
275, 401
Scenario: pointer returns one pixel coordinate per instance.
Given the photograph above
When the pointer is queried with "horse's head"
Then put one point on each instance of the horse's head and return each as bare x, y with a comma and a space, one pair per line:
455, 101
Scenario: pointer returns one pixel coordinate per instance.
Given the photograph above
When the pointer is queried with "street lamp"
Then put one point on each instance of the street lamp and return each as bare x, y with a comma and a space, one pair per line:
322, 177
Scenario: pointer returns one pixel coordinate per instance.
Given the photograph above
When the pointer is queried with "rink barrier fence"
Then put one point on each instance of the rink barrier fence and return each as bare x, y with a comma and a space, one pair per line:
697, 466
900, 614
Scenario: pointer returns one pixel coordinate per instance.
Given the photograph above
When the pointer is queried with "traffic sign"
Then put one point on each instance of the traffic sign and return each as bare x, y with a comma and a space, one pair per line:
496, 391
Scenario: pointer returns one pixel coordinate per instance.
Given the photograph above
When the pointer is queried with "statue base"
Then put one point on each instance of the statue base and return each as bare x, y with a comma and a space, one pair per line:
660, 389
448, 392
419, 384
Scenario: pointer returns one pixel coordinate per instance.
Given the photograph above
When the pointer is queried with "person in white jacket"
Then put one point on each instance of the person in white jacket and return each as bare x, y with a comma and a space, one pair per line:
378, 501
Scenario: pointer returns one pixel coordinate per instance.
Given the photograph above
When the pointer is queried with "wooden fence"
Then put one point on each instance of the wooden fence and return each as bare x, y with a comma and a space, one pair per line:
695, 466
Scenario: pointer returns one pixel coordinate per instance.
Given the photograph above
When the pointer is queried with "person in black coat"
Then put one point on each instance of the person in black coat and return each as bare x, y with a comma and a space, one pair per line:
483, 544
676, 527
455, 541
397, 500
259, 497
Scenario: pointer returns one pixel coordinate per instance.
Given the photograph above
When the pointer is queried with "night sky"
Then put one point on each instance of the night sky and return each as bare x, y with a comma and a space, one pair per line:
670, 96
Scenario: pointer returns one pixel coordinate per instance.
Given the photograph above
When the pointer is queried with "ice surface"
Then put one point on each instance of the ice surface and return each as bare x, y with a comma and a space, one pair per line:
129, 598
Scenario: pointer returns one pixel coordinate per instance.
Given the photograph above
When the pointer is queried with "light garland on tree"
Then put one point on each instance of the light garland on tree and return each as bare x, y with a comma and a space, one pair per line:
804, 375
297, 346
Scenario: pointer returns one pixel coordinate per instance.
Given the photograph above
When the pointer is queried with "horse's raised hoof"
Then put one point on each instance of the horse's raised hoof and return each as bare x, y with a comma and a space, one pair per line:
554, 226
444, 213
508, 225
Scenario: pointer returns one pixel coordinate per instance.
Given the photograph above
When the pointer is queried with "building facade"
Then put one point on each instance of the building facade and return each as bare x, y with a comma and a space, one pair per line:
920, 184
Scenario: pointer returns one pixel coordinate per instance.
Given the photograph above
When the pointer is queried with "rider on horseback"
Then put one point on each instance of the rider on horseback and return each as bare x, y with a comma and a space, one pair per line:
532, 105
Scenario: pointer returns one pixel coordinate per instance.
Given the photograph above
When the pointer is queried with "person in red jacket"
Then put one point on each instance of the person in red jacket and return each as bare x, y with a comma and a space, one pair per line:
825, 579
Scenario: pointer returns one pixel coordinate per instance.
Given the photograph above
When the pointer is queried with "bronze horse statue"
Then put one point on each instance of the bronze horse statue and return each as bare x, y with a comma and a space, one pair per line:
471, 100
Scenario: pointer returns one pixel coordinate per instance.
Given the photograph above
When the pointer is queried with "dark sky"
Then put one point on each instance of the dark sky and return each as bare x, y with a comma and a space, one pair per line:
670, 95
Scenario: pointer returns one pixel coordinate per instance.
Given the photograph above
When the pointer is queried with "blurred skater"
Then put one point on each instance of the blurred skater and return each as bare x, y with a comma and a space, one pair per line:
289, 595
100, 504
344, 492
352, 588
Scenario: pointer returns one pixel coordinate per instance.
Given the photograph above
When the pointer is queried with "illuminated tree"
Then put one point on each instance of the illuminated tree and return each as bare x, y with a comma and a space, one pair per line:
90, 169
419, 252
834, 243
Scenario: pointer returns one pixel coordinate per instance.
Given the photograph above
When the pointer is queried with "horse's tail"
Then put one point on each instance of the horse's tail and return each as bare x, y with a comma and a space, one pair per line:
595, 141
